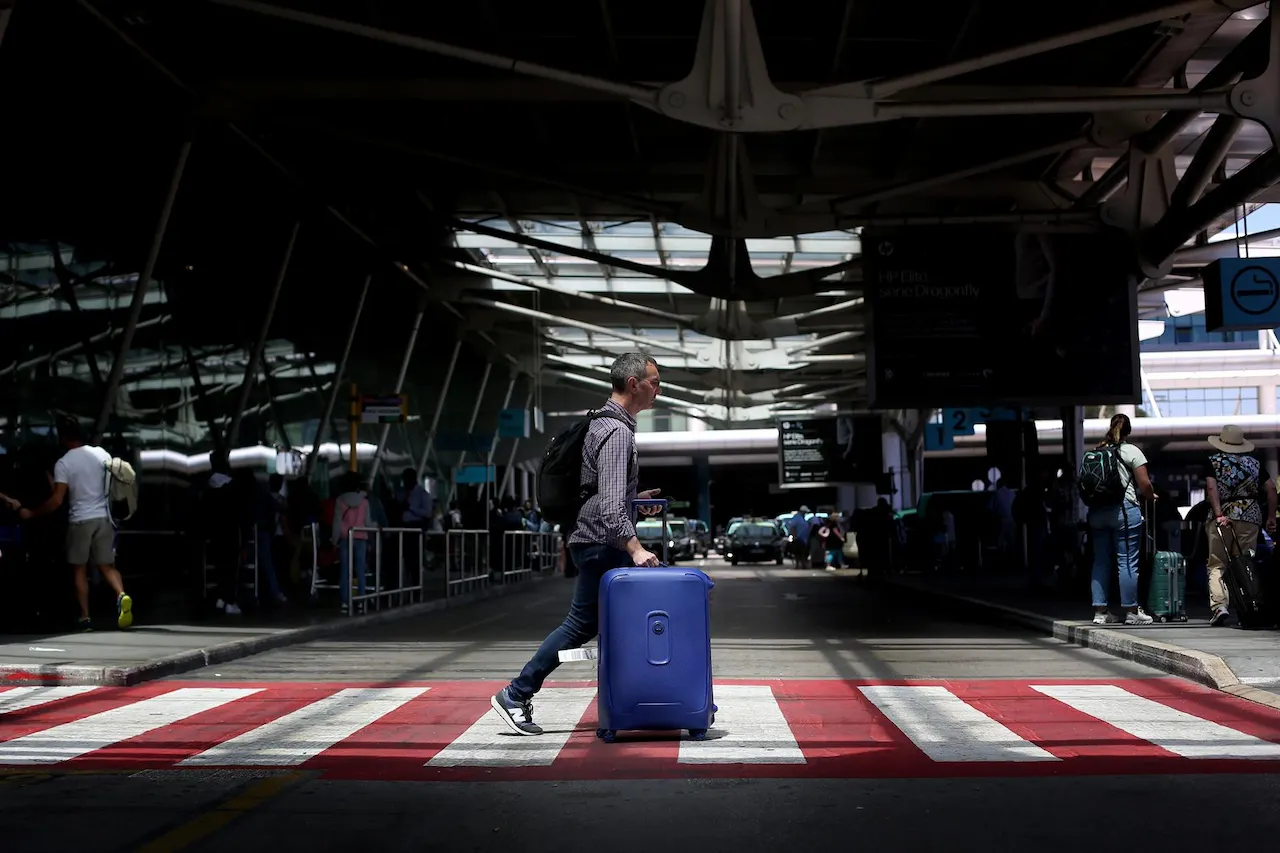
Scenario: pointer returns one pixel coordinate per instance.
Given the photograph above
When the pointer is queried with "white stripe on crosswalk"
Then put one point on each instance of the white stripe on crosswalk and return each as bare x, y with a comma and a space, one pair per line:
80, 737
1168, 728
946, 728
490, 743
305, 733
750, 729
21, 698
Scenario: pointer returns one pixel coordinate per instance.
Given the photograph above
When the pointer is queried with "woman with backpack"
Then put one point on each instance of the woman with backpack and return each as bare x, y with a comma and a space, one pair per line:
1111, 479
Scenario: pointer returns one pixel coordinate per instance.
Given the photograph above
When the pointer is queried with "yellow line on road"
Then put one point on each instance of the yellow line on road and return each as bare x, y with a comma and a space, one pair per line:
202, 826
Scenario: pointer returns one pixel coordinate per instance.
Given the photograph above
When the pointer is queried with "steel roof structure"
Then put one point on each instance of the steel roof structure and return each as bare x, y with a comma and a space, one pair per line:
555, 183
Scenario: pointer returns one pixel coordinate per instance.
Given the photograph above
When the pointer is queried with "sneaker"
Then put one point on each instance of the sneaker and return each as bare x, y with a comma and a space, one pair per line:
517, 715
124, 610
84, 623
1220, 617
1105, 617
1138, 617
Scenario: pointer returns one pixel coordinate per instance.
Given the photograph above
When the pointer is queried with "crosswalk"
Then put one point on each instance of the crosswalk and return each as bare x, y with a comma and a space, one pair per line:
782, 728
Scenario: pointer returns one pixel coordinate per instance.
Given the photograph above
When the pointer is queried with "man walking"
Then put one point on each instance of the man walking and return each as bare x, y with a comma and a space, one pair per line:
81, 477
602, 538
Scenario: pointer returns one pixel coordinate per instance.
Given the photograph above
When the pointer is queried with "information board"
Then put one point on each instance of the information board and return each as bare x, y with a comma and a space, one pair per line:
827, 451
963, 316
383, 408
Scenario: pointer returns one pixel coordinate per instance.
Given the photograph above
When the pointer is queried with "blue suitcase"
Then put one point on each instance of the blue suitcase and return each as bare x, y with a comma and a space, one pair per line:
655, 650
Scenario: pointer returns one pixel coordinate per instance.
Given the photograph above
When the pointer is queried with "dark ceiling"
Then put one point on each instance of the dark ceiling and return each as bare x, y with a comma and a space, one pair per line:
387, 126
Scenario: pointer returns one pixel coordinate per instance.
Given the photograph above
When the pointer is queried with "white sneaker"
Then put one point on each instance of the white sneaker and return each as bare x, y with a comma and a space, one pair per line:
1105, 617
232, 610
1138, 617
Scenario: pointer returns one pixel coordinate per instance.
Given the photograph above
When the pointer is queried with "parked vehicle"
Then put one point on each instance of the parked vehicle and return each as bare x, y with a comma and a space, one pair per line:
755, 541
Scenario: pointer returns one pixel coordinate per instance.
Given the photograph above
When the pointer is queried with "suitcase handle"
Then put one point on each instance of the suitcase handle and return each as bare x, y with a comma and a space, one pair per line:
1234, 541
661, 503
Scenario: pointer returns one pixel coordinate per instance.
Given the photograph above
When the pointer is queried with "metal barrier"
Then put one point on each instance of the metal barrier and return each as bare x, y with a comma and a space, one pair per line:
401, 589
466, 562
247, 554
525, 552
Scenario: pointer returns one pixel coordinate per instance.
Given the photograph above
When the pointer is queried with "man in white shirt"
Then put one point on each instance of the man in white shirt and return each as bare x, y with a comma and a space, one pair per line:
81, 476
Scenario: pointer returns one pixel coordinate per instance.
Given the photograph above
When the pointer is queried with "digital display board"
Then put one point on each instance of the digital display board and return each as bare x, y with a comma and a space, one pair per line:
830, 450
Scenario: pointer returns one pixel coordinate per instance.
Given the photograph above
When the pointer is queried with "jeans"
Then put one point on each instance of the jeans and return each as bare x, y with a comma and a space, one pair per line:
582, 623
344, 580
1116, 531
267, 565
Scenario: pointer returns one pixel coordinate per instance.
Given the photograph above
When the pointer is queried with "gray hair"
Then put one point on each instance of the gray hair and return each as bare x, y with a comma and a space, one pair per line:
627, 365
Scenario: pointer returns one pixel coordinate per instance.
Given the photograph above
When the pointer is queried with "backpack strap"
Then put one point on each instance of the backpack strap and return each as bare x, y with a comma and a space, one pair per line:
587, 490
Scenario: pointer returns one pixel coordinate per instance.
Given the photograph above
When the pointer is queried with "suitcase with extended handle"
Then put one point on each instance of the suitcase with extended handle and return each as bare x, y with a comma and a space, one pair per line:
655, 648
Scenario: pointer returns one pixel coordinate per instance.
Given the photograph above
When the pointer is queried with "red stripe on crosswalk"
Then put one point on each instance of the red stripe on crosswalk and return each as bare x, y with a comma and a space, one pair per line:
171, 744
839, 731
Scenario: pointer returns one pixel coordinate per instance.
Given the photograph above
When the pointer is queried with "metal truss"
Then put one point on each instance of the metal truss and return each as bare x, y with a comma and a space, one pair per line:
747, 286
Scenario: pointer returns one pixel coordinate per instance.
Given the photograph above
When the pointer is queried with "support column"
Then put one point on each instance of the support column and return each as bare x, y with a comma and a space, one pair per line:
846, 499
515, 444
1073, 447
702, 473
493, 445
435, 419
404, 370
255, 357
332, 400
139, 295
893, 449
524, 485
1267, 398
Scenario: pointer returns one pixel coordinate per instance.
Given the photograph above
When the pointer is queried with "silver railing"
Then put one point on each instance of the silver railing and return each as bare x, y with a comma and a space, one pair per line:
525, 552
407, 576
466, 561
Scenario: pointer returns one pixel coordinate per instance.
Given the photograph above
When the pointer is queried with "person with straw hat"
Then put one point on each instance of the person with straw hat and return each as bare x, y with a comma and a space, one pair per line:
1235, 478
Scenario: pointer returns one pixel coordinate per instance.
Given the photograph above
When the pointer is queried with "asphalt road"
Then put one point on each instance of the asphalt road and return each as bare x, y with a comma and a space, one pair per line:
848, 716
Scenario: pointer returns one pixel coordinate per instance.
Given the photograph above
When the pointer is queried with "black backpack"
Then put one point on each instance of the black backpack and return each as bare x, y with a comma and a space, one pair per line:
1099, 483
561, 493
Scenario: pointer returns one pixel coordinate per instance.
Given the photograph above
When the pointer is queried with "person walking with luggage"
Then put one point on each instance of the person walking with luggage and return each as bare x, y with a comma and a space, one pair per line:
1235, 478
603, 534
1112, 477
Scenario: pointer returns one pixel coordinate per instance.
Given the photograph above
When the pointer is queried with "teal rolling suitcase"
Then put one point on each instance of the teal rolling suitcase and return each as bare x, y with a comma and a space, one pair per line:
1167, 594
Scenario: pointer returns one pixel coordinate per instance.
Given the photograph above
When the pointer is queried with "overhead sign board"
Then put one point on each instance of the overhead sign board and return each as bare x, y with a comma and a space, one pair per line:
828, 451
383, 408
513, 423
964, 316
1241, 294
469, 475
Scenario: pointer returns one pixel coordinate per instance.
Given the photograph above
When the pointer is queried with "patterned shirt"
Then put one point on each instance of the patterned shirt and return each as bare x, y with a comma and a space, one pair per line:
1238, 480
609, 460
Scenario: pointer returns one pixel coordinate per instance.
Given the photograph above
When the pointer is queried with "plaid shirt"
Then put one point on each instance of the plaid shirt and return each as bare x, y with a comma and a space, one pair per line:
609, 460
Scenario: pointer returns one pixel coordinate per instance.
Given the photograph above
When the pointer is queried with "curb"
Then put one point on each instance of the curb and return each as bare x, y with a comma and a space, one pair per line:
175, 664
1200, 667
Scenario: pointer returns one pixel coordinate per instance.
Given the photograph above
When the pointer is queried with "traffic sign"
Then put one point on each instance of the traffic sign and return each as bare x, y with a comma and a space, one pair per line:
1242, 294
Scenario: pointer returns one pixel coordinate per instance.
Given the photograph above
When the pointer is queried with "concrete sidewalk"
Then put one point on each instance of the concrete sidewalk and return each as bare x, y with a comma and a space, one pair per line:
146, 652
1243, 663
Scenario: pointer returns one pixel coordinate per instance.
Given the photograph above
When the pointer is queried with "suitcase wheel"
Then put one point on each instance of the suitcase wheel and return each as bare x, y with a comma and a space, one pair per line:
698, 734
607, 735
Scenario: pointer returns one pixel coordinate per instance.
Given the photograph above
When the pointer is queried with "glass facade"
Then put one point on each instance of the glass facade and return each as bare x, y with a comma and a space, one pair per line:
1189, 332
1192, 402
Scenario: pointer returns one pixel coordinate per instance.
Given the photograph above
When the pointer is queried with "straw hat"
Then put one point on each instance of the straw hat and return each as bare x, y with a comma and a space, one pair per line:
1231, 440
